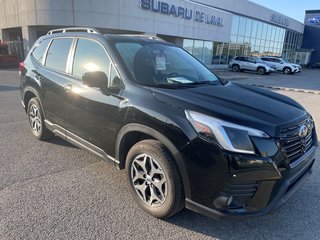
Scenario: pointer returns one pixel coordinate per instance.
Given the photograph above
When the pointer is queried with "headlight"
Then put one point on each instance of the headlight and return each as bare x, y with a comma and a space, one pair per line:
230, 136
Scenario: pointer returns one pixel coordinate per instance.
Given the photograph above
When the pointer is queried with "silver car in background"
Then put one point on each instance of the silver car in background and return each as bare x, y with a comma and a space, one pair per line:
282, 65
248, 63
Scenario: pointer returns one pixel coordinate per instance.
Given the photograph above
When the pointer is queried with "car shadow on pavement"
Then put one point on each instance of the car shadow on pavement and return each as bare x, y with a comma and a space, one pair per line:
274, 226
61, 142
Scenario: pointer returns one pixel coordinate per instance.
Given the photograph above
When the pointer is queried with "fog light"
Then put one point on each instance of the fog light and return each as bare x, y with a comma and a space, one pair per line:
223, 202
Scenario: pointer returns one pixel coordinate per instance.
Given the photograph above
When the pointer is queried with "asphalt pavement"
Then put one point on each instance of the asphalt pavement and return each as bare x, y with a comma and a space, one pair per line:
53, 190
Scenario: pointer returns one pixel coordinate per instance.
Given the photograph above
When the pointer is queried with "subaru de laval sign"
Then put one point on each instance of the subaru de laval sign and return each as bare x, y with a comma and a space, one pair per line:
180, 12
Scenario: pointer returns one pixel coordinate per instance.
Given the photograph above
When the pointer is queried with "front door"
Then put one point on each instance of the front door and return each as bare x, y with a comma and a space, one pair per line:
92, 114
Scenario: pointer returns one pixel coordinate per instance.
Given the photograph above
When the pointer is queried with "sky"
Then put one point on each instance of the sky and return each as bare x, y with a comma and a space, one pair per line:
291, 8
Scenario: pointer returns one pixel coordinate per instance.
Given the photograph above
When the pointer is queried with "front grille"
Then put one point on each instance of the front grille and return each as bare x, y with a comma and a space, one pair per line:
293, 145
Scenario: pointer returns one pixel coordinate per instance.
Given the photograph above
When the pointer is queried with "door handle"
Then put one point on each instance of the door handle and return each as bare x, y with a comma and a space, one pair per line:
68, 87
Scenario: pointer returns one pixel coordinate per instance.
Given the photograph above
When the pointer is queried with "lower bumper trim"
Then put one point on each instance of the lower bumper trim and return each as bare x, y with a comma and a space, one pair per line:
283, 195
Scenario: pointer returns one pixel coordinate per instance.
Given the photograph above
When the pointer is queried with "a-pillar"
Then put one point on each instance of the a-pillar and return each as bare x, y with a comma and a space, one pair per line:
29, 35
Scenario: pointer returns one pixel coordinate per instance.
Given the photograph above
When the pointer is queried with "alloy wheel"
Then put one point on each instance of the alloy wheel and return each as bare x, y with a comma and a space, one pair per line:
149, 180
35, 119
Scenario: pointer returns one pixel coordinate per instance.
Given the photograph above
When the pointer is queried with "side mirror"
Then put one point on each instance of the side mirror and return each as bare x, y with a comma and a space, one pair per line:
96, 79
281, 62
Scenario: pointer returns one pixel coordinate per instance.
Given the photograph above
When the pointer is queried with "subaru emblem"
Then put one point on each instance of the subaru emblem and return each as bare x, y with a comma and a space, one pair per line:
303, 131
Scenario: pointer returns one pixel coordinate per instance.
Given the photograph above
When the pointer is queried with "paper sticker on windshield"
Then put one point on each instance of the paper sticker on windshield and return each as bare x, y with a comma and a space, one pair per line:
160, 63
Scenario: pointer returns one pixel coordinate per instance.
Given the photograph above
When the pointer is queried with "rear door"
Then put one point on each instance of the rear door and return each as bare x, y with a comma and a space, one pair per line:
91, 114
251, 64
54, 79
278, 63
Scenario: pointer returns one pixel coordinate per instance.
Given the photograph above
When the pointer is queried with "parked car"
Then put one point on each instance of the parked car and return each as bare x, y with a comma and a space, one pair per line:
184, 137
283, 65
245, 63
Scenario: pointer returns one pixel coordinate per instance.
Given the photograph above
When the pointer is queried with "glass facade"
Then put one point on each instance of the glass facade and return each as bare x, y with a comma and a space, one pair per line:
248, 37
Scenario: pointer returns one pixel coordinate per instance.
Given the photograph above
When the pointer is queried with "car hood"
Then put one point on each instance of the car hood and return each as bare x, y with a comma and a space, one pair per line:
236, 103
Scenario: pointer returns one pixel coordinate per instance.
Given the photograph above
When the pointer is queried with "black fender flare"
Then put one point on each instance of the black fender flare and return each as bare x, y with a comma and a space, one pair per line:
135, 127
36, 93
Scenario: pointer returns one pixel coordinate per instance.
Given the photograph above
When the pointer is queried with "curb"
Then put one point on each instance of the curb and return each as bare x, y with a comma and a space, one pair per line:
286, 89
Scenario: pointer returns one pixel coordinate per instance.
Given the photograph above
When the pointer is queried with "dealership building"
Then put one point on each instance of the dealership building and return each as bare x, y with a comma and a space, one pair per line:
212, 30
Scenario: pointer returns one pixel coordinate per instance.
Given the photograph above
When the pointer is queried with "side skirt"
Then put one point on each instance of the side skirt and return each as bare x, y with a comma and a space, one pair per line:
79, 142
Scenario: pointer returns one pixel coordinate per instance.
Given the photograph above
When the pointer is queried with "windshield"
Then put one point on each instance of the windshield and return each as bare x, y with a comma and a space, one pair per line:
284, 60
157, 64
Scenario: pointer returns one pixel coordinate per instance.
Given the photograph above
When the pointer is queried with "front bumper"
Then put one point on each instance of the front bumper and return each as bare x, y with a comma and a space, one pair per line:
262, 189
297, 70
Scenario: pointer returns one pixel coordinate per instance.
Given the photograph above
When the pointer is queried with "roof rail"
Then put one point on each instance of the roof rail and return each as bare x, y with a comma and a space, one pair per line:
74, 29
148, 36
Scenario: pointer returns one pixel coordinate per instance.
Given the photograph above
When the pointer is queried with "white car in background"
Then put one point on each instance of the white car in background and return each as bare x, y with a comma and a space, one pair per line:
282, 65
250, 63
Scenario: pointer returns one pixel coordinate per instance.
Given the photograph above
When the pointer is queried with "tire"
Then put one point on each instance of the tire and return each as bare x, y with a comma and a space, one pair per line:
261, 71
142, 182
36, 120
235, 68
287, 71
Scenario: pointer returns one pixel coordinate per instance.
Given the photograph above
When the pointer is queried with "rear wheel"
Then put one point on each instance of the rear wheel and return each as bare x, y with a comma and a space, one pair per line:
235, 68
261, 71
287, 70
154, 179
36, 120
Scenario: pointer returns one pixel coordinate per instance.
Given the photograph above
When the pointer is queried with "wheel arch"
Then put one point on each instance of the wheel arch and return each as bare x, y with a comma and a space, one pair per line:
133, 133
30, 93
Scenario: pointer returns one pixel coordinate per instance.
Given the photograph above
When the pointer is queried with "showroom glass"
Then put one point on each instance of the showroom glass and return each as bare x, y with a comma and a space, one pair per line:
58, 52
90, 56
248, 37
156, 64
39, 51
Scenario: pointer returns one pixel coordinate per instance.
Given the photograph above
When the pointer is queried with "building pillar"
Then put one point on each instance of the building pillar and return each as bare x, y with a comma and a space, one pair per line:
29, 36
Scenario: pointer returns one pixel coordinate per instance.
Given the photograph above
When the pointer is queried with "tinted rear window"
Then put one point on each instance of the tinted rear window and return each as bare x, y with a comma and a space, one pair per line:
39, 51
58, 54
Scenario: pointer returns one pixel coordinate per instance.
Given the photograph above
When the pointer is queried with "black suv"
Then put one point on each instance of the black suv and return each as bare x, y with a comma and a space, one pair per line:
184, 136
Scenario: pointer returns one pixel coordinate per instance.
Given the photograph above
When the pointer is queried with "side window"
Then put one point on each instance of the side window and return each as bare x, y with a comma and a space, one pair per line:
277, 60
252, 60
89, 57
58, 52
114, 80
39, 51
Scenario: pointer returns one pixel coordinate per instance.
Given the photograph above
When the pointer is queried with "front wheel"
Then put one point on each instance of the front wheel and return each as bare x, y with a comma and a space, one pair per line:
287, 70
36, 120
261, 71
235, 68
154, 179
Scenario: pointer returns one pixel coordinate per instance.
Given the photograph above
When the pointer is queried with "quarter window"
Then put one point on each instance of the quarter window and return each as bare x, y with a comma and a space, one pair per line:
39, 51
90, 57
58, 52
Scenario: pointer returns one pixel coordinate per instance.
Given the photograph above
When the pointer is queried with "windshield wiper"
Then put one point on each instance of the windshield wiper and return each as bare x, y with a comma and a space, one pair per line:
204, 82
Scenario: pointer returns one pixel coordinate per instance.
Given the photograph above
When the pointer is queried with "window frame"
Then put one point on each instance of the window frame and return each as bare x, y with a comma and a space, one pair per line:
44, 56
111, 62
47, 50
